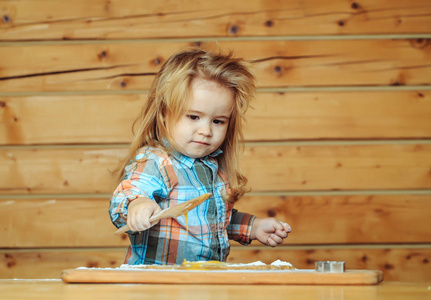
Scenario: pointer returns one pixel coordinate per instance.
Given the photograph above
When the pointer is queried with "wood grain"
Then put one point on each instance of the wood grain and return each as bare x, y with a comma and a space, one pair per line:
338, 167
347, 219
277, 63
32, 289
26, 120
367, 219
272, 167
339, 115
48, 263
398, 264
58, 223
129, 19
70, 75
47, 119
77, 170
293, 277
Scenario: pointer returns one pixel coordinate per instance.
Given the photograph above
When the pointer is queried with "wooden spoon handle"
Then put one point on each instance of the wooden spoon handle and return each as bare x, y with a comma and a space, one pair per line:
125, 228
179, 210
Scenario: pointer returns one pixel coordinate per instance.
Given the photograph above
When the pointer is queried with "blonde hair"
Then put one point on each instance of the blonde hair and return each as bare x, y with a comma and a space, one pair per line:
169, 95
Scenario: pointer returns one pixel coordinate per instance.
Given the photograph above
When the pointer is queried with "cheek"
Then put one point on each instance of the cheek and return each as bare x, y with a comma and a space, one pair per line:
221, 133
180, 126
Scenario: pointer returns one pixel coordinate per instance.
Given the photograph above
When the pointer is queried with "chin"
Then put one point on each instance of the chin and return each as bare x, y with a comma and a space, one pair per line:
197, 155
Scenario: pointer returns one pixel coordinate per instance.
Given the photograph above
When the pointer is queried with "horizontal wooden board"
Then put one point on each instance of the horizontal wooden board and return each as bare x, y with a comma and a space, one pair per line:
57, 170
407, 264
368, 219
47, 263
47, 119
58, 223
115, 19
291, 116
269, 167
339, 115
276, 63
338, 167
347, 219
277, 277
33, 289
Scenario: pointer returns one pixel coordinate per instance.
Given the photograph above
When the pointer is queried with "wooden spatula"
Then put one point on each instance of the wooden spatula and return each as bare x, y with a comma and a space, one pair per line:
174, 211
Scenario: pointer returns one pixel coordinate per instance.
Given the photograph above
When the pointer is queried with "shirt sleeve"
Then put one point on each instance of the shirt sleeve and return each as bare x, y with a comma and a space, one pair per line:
141, 179
240, 226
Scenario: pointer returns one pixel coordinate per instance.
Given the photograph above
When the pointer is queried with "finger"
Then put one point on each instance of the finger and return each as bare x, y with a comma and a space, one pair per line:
276, 238
154, 223
133, 225
157, 210
277, 225
286, 227
271, 242
139, 222
281, 233
281, 228
142, 223
141, 226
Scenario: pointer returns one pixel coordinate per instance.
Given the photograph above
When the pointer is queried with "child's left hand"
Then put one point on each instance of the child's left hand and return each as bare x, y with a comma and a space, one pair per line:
269, 231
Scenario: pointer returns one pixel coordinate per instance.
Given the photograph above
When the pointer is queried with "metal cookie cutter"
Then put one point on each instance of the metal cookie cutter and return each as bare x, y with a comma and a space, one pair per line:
330, 266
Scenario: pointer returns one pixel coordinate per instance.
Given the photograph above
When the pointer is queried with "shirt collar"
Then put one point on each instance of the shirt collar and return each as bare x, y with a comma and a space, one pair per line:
188, 161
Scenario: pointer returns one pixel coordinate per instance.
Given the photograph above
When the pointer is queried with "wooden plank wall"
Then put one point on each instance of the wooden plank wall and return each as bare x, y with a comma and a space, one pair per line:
338, 143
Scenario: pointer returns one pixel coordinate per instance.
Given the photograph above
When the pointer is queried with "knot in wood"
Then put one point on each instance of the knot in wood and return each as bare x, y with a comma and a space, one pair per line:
355, 5
6, 19
11, 264
420, 43
278, 69
234, 29
102, 55
271, 213
269, 23
157, 61
396, 83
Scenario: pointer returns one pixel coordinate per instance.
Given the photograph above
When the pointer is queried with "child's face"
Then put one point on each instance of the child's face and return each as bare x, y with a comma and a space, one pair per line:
202, 129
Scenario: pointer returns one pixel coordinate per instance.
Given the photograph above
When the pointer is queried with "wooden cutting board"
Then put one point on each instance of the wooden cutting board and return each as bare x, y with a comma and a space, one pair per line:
100, 275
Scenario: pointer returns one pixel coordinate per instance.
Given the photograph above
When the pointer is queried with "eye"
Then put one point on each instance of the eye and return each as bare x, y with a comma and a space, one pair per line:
221, 122
193, 117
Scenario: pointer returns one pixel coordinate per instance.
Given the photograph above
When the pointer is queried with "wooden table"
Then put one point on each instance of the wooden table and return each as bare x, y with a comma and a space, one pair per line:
56, 289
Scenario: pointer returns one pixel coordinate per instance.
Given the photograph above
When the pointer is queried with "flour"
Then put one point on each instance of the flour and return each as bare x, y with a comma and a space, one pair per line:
205, 266
281, 263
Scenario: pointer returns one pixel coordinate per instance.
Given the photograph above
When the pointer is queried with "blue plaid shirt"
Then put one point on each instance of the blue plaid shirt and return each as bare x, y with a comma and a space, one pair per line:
170, 179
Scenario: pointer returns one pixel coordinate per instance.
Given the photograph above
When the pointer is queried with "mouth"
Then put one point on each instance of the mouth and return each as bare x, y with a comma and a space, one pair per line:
201, 143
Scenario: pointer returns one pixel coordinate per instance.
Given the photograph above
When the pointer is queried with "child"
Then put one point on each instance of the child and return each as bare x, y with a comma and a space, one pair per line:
188, 144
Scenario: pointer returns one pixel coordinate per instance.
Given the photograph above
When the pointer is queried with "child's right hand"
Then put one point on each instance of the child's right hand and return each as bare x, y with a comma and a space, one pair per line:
139, 212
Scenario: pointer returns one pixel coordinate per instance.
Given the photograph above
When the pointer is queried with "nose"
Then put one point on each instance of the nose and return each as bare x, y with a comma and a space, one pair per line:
205, 130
